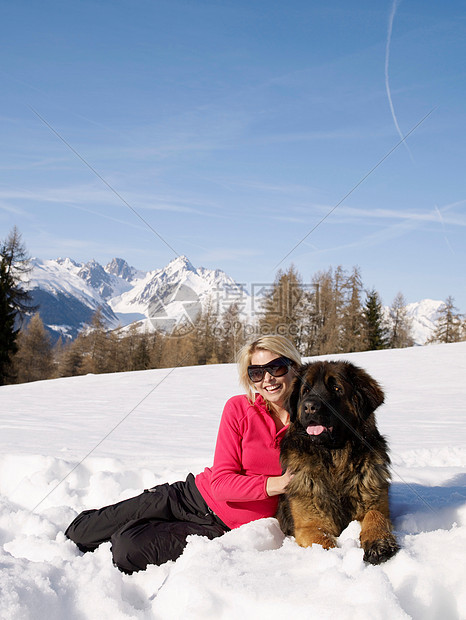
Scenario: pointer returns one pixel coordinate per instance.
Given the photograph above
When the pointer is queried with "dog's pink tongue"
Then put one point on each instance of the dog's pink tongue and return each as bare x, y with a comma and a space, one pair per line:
315, 430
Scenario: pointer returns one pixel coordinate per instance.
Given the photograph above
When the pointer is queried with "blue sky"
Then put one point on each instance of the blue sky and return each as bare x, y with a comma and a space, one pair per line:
233, 127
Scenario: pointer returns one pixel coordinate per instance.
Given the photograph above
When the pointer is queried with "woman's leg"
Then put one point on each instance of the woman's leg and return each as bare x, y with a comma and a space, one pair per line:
93, 527
144, 542
180, 501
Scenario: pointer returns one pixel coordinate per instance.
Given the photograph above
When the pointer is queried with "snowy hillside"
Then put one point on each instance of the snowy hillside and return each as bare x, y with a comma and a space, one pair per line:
165, 425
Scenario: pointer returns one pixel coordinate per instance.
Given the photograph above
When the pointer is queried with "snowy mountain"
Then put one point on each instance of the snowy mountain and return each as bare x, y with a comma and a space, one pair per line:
68, 293
165, 297
119, 267
423, 315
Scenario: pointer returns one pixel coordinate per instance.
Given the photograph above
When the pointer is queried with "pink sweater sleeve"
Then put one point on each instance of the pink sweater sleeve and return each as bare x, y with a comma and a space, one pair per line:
229, 480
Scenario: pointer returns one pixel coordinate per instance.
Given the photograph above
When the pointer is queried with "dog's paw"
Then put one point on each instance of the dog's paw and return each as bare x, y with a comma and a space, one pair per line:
378, 551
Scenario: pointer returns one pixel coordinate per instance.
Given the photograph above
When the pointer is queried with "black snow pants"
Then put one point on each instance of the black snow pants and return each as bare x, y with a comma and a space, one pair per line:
150, 528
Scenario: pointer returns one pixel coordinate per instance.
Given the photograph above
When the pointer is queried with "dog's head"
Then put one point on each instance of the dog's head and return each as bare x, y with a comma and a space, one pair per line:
331, 402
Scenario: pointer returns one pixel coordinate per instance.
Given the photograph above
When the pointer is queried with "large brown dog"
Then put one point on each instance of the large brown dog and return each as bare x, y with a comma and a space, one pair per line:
339, 460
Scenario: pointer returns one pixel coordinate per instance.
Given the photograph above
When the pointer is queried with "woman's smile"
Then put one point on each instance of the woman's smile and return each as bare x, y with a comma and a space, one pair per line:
272, 389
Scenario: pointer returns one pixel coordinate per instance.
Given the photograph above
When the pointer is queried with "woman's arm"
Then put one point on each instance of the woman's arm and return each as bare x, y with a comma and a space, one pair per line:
229, 481
276, 485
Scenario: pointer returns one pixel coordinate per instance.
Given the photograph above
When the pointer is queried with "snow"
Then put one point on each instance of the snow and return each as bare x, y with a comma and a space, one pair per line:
166, 297
165, 424
61, 275
423, 315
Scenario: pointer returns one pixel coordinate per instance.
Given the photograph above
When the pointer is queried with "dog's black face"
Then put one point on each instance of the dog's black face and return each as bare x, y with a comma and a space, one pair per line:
330, 401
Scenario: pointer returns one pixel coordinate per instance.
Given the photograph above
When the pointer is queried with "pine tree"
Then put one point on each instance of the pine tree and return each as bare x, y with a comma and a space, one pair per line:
327, 320
400, 324
230, 334
205, 329
311, 319
58, 352
180, 348
8, 333
283, 306
94, 350
34, 360
131, 351
126, 344
98, 358
141, 356
352, 321
448, 325
15, 301
71, 361
156, 347
376, 333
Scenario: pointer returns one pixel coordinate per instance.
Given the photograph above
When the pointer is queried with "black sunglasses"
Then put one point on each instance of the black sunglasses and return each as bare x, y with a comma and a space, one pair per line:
276, 368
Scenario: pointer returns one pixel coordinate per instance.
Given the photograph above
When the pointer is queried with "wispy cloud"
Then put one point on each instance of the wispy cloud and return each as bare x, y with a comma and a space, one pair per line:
383, 235
82, 195
447, 214
67, 198
402, 215
32, 161
403, 223
12, 209
291, 189
431, 215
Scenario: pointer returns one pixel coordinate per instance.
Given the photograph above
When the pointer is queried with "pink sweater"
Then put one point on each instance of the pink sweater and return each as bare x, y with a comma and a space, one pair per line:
246, 454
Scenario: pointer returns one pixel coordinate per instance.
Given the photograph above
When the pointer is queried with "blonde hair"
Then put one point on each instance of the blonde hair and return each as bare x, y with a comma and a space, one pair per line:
280, 345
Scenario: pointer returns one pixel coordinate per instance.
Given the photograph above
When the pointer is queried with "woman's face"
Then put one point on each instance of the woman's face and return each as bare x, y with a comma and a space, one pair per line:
272, 389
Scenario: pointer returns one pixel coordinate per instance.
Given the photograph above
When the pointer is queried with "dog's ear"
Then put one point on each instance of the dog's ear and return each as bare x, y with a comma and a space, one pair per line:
291, 403
369, 394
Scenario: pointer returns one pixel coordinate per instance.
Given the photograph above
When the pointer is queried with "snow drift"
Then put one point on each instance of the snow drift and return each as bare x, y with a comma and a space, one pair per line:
58, 458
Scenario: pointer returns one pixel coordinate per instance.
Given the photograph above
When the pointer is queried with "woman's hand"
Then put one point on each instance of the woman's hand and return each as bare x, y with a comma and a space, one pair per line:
276, 485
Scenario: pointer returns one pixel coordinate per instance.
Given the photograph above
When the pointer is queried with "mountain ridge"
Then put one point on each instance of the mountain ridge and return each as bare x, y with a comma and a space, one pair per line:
69, 293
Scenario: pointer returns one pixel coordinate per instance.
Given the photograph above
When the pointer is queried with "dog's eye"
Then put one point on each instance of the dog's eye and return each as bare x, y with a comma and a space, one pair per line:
337, 389
306, 389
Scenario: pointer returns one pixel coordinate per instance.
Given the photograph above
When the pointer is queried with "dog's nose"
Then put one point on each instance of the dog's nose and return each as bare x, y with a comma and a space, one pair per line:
311, 406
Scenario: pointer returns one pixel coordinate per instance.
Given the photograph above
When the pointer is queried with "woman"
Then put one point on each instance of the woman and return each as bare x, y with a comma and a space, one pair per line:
243, 484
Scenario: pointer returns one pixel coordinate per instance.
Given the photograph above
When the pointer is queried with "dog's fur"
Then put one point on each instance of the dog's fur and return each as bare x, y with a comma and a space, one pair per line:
340, 463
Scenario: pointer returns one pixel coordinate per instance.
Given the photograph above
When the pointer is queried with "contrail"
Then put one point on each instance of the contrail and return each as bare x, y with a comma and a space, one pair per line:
442, 222
387, 83
368, 174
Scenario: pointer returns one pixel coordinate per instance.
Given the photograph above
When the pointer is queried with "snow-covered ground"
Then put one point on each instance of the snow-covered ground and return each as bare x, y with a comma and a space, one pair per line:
165, 425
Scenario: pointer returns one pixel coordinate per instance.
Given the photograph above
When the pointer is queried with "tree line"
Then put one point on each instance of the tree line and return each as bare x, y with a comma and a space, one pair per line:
333, 313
